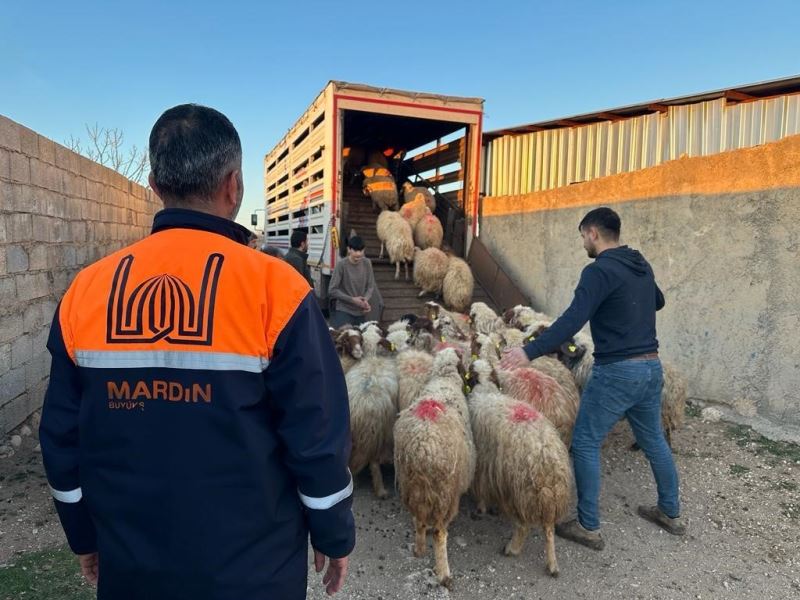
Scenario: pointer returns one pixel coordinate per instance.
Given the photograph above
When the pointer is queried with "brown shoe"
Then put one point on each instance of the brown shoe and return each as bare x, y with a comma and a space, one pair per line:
656, 515
575, 532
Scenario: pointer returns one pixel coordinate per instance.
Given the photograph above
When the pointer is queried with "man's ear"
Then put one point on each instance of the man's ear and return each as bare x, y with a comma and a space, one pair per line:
232, 184
151, 179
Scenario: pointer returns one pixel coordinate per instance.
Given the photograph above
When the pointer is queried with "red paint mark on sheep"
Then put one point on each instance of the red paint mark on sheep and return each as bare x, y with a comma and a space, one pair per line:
521, 413
428, 410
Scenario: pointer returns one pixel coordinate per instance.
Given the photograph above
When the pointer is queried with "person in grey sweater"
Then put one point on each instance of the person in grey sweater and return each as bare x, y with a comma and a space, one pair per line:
352, 283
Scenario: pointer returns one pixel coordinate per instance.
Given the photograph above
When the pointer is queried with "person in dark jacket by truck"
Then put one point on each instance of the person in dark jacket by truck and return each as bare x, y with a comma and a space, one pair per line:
297, 256
196, 429
618, 295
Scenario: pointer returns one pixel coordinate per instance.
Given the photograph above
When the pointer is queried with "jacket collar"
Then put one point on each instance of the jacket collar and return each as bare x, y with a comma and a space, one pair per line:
184, 218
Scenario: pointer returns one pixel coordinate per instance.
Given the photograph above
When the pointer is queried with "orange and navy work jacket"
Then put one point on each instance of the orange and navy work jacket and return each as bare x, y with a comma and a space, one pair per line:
196, 428
378, 179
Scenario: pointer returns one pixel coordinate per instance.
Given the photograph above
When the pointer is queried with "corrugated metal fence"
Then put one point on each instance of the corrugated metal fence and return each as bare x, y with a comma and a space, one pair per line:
557, 157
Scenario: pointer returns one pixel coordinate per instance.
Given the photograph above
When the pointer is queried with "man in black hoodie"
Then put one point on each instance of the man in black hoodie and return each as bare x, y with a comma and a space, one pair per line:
618, 295
297, 256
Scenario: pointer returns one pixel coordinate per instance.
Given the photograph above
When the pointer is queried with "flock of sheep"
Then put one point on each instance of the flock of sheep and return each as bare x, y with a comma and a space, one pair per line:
413, 233
428, 394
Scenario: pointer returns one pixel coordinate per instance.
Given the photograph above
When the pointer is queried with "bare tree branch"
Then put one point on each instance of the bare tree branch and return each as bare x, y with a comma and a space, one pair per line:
106, 147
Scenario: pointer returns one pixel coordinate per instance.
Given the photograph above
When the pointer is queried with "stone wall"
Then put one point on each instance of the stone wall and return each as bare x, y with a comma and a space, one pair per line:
721, 233
58, 213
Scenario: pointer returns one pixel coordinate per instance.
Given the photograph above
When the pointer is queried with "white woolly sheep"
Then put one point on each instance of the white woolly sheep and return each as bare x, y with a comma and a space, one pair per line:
458, 285
526, 318
414, 211
410, 193
434, 458
484, 319
413, 372
430, 268
396, 236
372, 392
545, 395
522, 465
454, 327
348, 346
428, 232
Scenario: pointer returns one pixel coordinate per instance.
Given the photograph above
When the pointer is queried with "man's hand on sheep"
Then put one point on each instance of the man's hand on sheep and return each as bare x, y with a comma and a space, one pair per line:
513, 358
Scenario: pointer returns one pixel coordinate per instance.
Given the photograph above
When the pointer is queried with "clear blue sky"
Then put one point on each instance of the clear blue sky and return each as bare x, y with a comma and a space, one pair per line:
64, 64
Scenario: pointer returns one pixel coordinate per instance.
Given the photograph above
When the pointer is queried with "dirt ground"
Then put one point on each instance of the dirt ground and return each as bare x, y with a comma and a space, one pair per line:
741, 498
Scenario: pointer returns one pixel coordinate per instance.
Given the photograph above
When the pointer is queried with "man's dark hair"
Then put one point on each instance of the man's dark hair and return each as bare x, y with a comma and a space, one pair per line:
298, 237
606, 221
356, 243
192, 149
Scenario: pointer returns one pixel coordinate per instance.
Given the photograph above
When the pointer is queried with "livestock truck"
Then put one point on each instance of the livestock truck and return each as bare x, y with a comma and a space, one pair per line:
311, 176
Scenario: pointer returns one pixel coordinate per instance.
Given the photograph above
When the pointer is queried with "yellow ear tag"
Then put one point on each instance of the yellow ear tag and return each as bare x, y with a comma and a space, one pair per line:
474, 357
497, 346
468, 389
572, 348
391, 347
442, 339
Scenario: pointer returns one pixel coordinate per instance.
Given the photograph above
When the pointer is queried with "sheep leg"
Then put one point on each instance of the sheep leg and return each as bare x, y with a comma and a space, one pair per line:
377, 480
420, 541
668, 436
442, 565
550, 550
421, 293
381, 254
397, 270
405, 262
481, 507
517, 541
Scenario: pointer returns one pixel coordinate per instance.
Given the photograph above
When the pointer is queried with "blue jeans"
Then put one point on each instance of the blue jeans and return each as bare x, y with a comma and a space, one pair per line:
630, 389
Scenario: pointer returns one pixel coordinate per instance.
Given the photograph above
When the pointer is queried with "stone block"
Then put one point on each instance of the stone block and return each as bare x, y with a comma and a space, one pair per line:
37, 257
5, 358
4, 234
41, 227
19, 227
13, 414
9, 134
12, 384
70, 257
31, 286
10, 326
3, 268
5, 164
28, 142
78, 229
20, 168
63, 157
21, 351
16, 259
39, 340
94, 191
33, 317
60, 232
56, 206
8, 291
47, 150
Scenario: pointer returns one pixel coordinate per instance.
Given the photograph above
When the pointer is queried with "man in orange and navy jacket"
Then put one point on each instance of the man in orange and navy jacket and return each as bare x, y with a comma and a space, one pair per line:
196, 428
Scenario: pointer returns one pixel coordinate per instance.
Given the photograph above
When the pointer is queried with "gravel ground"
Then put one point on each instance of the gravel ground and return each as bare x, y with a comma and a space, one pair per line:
741, 496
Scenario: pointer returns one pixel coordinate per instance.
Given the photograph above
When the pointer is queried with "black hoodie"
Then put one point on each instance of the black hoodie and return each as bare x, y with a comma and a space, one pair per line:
618, 295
